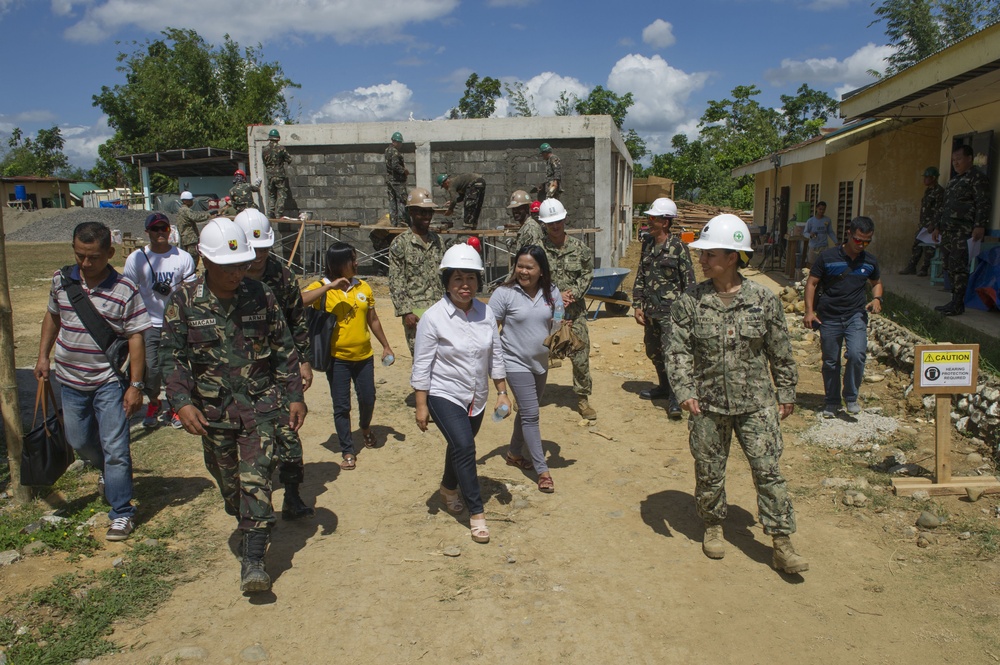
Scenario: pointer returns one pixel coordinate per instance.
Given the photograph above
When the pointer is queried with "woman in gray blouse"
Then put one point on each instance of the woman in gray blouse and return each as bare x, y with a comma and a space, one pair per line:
524, 306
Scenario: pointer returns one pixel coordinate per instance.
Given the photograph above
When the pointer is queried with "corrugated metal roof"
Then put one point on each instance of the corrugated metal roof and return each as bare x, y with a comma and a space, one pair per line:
188, 161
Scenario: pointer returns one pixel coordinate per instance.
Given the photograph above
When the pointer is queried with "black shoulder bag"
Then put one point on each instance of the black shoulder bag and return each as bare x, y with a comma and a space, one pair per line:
115, 347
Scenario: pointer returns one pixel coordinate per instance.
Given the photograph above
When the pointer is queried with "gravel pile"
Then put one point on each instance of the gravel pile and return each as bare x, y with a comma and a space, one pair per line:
59, 228
857, 433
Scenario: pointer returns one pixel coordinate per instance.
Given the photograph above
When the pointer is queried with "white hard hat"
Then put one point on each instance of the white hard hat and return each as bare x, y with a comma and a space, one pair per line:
724, 232
187, 196
551, 210
462, 257
662, 207
258, 229
223, 242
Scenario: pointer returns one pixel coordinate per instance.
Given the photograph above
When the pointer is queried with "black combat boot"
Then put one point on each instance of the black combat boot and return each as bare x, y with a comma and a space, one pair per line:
661, 391
293, 507
253, 577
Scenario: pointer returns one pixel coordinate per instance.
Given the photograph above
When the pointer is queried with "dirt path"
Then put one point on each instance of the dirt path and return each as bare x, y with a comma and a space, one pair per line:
607, 569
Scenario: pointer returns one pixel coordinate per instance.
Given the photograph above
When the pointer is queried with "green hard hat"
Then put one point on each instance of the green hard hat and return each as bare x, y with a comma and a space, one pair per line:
545, 147
273, 134
397, 137
441, 179
931, 171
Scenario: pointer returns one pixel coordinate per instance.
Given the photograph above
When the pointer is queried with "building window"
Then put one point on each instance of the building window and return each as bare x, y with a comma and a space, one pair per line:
812, 196
845, 206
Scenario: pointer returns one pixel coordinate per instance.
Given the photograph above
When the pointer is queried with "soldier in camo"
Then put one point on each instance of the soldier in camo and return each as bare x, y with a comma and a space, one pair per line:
964, 214
552, 187
241, 193
665, 271
228, 362
530, 231
466, 188
572, 266
414, 257
276, 159
930, 213
396, 174
187, 221
728, 341
268, 269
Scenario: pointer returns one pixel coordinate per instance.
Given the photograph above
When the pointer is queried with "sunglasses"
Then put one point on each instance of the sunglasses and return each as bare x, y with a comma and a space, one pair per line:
859, 241
159, 229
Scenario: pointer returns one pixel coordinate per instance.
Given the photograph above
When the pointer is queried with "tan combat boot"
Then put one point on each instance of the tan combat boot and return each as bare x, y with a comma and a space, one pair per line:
583, 406
713, 545
786, 559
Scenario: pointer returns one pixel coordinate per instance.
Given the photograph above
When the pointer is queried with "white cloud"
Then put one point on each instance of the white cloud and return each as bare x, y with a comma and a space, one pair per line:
385, 101
545, 88
455, 81
82, 141
62, 7
659, 34
847, 74
255, 20
27, 120
7, 5
659, 90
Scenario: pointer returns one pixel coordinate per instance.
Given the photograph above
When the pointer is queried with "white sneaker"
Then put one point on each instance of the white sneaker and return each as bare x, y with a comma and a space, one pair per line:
121, 528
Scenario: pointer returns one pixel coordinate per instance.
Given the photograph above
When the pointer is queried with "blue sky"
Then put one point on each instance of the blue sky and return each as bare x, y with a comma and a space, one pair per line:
360, 60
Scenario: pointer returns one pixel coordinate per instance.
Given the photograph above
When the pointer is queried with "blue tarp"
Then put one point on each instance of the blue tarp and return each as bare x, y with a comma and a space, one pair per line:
984, 282
112, 204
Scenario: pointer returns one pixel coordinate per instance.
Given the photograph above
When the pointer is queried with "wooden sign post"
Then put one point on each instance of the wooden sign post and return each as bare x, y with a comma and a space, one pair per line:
944, 370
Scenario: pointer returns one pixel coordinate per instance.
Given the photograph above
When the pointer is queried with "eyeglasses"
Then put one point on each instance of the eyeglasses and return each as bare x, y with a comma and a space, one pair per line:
860, 241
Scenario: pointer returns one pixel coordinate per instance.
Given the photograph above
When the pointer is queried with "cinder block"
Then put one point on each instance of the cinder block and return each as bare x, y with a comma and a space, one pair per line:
474, 156
369, 169
316, 158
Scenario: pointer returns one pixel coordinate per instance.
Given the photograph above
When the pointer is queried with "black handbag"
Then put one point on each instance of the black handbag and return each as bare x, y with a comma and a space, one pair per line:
321, 324
45, 453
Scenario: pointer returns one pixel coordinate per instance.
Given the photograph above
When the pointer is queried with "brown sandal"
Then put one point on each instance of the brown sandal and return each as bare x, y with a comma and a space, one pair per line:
369, 438
546, 485
349, 462
519, 462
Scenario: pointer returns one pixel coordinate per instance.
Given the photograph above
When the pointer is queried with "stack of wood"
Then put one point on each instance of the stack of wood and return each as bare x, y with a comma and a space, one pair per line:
693, 216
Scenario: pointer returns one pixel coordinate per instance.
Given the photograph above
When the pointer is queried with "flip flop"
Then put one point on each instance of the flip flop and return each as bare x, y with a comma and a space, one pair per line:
369, 439
349, 462
519, 462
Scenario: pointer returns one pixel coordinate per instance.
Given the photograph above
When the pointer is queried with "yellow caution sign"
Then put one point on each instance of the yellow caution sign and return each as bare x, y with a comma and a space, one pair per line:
946, 368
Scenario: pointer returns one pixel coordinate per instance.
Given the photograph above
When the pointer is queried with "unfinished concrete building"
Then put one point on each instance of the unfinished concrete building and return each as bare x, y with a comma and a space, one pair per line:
337, 169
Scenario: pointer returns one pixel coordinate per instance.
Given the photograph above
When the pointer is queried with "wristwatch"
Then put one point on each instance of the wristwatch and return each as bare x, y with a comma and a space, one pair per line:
879, 298
138, 385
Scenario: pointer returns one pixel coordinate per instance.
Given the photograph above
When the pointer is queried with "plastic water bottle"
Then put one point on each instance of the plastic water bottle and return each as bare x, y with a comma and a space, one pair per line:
558, 312
501, 413
388, 360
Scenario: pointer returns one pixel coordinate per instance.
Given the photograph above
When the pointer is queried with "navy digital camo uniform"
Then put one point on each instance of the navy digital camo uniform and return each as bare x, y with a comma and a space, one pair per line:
737, 362
283, 285
572, 268
235, 361
665, 271
187, 221
414, 280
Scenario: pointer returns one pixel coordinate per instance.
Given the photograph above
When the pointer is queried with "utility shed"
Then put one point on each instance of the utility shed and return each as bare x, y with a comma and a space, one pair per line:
207, 170
337, 169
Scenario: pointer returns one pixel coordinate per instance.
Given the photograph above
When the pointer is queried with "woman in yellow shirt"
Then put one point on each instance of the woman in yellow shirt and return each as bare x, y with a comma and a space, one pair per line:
352, 302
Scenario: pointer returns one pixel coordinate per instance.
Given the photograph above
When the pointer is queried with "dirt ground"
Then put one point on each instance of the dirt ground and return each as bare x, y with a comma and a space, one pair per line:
608, 569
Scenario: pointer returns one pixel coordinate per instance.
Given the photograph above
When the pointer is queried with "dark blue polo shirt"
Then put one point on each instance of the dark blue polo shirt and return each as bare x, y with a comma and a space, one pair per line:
842, 282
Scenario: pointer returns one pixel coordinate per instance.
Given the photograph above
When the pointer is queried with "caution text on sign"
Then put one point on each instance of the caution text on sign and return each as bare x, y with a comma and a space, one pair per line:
945, 368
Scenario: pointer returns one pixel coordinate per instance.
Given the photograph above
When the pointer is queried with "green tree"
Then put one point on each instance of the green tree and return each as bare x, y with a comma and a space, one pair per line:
806, 113
605, 102
637, 148
181, 92
522, 104
41, 156
480, 98
566, 103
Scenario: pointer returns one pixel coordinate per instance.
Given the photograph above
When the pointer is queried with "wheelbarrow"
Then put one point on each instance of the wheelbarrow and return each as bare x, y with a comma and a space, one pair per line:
604, 288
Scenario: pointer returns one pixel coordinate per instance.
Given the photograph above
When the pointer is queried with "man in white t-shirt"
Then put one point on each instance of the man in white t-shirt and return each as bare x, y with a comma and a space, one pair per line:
157, 269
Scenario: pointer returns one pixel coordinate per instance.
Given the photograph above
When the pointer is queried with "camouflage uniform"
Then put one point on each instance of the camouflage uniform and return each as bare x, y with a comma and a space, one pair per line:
726, 358
275, 160
241, 196
572, 268
395, 186
286, 291
414, 281
930, 213
665, 271
553, 179
966, 207
187, 220
470, 188
235, 362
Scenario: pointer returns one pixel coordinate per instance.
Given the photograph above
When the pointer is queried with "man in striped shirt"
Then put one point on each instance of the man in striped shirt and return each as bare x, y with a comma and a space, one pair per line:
96, 405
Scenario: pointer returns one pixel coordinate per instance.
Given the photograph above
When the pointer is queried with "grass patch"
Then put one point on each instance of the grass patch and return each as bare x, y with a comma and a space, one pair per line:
985, 534
69, 535
930, 325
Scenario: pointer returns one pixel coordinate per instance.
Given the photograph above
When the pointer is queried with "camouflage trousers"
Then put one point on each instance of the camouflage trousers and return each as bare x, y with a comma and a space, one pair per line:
288, 449
920, 257
241, 461
397, 204
473, 204
955, 251
277, 194
759, 434
582, 383
656, 338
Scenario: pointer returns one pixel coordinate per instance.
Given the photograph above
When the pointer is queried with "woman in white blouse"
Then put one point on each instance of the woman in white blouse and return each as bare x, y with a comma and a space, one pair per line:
456, 352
